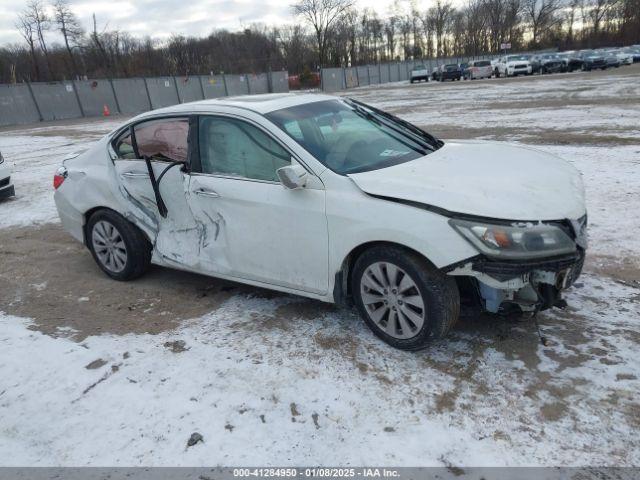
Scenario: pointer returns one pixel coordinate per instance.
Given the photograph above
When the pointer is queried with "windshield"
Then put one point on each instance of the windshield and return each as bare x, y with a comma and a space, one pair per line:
515, 58
351, 137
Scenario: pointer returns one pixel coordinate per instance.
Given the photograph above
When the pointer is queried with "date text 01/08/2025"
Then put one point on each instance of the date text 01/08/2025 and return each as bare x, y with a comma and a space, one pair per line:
316, 472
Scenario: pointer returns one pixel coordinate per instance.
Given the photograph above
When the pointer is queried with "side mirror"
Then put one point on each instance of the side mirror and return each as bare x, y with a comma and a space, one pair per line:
292, 176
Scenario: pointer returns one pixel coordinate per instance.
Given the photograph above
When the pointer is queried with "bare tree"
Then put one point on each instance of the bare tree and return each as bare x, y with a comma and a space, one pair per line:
69, 26
442, 14
97, 40
390, 32
322, 15
597, 11
26, 29
541, 16
36, 14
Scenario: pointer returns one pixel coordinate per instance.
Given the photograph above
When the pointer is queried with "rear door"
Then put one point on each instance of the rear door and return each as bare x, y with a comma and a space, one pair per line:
163, 141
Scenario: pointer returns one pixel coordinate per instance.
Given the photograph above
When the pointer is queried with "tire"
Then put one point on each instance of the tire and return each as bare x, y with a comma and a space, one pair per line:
130, 257
415, 278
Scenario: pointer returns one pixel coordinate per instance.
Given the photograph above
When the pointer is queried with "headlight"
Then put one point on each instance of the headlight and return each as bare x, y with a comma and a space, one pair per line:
516, 241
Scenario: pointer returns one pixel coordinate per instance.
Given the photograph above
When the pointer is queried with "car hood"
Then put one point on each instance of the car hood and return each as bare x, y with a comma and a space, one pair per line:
487, 179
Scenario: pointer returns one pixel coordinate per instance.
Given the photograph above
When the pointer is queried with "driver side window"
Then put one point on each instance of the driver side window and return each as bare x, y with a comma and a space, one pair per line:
236, 148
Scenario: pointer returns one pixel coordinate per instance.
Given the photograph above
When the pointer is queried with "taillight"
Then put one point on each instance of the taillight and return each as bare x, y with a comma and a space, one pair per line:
59, 177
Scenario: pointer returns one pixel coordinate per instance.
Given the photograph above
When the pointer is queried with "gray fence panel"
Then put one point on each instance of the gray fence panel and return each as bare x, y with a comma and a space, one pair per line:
189, 89
279, 82
237, 84
374, 74
258, 83
385, 72
351, 77
394, 72
363, 76
57, 100
402, 67
94, 95
16, 105
162, 91
213, 86
132, 95
332, 79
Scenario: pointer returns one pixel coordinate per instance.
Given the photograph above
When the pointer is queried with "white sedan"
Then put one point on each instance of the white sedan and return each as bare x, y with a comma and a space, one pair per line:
334, 200
6, 188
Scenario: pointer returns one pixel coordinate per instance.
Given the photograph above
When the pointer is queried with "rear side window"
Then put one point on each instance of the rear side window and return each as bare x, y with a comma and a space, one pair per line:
124, 147
163, 140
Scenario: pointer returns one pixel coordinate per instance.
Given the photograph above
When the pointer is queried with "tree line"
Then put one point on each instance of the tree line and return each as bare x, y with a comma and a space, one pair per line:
330, 33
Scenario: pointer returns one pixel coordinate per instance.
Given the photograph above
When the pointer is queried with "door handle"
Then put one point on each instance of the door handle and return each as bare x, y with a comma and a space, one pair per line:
134, 175
207, 193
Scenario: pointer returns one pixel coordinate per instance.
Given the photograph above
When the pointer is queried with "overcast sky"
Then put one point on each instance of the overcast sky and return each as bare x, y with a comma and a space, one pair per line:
161, 18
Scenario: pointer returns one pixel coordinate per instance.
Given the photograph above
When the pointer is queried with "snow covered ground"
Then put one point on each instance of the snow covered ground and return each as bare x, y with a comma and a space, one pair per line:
275, 379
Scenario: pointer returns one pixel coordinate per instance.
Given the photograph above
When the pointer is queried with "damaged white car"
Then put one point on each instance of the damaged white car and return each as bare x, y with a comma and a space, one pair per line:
331, 199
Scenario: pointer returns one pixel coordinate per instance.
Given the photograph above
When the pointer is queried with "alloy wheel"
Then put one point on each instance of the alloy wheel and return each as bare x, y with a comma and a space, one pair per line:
109, 246
392, 300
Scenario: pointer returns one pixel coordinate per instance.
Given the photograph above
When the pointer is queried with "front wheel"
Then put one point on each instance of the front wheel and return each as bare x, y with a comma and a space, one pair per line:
402, 298
119, 248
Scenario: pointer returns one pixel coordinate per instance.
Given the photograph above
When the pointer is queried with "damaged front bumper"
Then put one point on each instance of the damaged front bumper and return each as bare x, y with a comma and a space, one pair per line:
530, 285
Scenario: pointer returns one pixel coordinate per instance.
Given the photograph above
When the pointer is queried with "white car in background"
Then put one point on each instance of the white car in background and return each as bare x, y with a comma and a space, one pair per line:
331, 199
418, 73
6, 188
478, 69
513, 65
626, 58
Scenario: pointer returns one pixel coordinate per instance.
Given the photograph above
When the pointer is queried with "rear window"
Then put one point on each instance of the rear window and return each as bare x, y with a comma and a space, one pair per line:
419, 67
482, 63
451, 68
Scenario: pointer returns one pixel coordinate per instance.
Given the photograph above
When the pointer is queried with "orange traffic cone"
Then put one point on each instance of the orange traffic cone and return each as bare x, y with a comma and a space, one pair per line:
105, 110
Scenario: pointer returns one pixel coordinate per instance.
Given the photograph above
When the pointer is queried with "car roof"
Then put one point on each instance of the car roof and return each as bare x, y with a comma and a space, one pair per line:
261, 104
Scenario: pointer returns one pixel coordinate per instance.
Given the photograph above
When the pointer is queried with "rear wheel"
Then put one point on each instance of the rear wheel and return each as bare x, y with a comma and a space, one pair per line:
402, 298
119, 248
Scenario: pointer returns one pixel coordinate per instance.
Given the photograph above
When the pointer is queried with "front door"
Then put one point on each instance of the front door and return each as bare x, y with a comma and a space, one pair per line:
162, 141
254, 228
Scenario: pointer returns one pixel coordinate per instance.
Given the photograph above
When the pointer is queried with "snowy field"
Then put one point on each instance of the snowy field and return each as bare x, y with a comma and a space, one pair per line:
271, 379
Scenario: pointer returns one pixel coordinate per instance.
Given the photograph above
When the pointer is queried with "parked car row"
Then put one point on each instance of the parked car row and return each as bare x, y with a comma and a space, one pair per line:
528, 64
